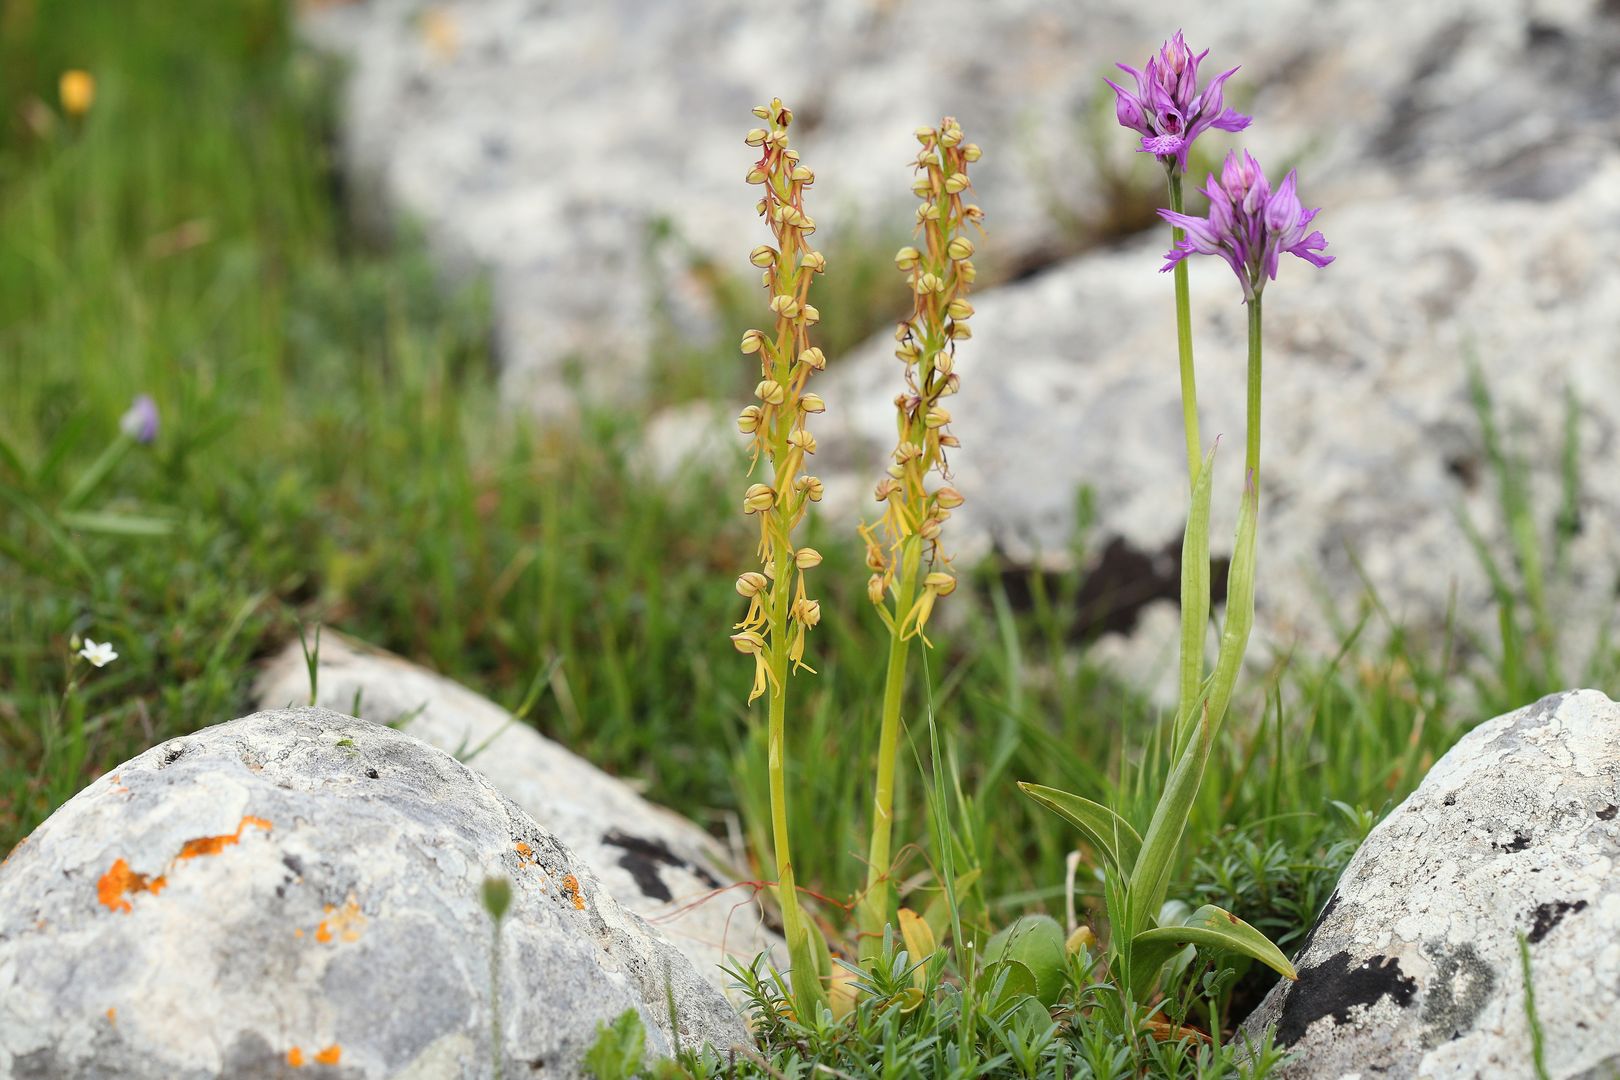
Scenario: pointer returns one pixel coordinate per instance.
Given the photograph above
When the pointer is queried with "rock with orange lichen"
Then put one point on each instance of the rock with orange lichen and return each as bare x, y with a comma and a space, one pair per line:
301, 889
653, 861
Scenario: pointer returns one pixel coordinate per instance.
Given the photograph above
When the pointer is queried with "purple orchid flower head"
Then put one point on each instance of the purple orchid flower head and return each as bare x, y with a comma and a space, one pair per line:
1167, 109
1249, 225
140, 421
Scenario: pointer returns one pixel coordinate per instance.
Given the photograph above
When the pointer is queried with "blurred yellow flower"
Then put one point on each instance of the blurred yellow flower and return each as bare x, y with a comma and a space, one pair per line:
77, 90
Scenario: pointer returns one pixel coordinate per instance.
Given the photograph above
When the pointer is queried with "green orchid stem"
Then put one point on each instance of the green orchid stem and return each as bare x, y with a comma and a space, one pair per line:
1195, 583
1189, 385
874, 906
1251, 460
806, 983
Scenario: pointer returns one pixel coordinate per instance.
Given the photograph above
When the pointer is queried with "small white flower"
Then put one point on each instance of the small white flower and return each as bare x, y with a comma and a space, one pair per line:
98, 653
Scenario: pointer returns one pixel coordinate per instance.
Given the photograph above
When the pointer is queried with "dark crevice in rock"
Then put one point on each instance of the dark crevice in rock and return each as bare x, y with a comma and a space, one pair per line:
1547, 916
1608, 812
1333, 988
642, 858
1122, 581
1520, 841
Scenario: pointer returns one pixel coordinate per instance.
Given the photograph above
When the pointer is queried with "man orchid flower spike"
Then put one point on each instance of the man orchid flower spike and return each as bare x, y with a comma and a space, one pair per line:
780, 613
909, 567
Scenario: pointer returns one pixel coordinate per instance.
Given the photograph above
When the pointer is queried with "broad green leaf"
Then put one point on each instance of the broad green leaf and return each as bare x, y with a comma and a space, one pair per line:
1106, 830
1036, 942
1209, 928
1194, 601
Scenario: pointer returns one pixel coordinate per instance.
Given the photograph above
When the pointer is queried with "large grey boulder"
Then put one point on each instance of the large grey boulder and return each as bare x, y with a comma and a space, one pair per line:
302, 887
1413, 968
1373, 453
543, 140
654, 862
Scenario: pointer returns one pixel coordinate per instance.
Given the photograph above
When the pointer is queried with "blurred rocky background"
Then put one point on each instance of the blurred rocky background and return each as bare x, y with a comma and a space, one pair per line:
588, 159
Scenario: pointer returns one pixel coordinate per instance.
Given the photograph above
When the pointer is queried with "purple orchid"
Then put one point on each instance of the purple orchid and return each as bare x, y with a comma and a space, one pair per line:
1168, 109
140, 421
1249, 225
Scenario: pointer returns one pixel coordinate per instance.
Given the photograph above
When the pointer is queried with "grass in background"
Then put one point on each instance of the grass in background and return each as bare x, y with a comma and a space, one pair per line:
332, 451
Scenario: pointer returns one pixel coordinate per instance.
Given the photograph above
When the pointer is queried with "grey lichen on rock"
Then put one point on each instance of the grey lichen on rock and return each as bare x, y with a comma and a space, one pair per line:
656, 863
1413, 967
301, 887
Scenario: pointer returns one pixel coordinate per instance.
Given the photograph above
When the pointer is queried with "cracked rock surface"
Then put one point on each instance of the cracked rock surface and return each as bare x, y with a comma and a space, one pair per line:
299, 887
1413, 968
653, 861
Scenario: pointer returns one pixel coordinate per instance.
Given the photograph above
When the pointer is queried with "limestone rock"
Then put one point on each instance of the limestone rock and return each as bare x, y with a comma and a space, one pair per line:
301, 887
654, 862
546, 142
1413, 969
1373, 453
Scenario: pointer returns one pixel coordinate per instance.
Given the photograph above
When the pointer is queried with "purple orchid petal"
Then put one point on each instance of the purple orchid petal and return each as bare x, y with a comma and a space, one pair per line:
1309, 248
1128, 109
1168, 109
1249, 225
1163, 145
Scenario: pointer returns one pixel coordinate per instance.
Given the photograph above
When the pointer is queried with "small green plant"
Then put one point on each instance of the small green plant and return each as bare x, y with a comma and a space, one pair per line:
619, 1050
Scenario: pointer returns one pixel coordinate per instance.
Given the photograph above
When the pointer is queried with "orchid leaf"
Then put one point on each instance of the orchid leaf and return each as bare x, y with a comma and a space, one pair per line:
1209, 927
1105, 830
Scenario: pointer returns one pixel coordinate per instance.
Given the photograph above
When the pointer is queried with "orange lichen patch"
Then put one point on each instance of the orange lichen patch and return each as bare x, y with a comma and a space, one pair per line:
348, 922
295, 1057
570, 884
112, 1015
119, 881
298, 931
331, 1055
213, 845
525, 853
14, 849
